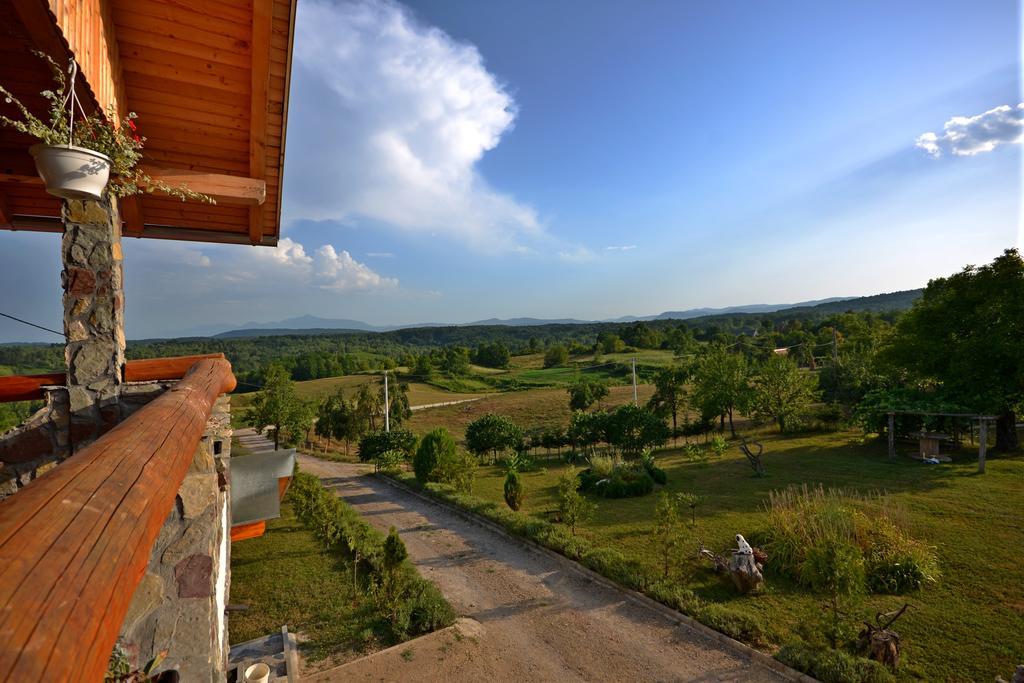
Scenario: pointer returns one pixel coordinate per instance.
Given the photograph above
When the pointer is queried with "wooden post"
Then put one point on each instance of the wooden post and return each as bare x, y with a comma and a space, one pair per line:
982, 444
892, 436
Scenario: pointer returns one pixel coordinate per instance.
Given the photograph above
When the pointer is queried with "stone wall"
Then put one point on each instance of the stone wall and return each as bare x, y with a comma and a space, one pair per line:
179, 605
31, 449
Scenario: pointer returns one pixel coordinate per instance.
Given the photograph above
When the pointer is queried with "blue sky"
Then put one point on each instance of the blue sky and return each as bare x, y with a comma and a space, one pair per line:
450, 161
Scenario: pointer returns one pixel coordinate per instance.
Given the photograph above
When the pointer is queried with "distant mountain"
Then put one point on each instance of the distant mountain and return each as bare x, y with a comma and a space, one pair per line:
311, 324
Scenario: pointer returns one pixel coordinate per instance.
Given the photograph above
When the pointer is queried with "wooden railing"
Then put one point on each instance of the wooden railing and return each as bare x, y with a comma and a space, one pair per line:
30, 387
75, 542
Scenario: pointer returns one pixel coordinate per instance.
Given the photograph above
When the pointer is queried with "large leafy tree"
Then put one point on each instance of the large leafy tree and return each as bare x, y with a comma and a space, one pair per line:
967, 333
492, 434
277, 407
781, 390
585, 392
721, 382
633, 430
669, 394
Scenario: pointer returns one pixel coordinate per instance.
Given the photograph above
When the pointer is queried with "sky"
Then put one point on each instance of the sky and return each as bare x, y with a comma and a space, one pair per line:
455, 160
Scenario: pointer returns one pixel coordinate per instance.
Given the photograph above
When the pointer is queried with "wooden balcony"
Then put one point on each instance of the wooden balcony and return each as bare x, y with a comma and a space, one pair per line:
75, 542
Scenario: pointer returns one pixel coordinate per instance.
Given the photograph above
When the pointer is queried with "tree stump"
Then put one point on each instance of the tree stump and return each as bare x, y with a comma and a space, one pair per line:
879, 642
745, 572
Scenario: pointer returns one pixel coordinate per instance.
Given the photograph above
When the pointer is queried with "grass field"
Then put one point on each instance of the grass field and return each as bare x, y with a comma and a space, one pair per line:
287, 577
966, 627
529, 408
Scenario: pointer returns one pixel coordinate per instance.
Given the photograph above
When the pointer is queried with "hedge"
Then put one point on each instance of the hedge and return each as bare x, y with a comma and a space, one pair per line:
337, 525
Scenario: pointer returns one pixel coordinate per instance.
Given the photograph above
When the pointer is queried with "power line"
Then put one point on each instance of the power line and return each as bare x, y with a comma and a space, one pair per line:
25, 322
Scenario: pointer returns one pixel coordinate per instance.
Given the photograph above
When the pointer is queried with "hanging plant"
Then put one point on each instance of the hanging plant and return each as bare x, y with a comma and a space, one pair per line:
86, 156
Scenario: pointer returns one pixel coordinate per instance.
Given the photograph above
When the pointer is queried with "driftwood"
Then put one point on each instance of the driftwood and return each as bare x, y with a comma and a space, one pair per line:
752, 458
745, 568
879, 642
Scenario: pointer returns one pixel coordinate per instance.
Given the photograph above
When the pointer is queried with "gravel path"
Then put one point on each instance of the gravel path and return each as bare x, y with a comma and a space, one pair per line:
540, 621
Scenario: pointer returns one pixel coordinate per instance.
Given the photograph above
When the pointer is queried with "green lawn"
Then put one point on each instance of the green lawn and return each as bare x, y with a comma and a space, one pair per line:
287, 577
966, 627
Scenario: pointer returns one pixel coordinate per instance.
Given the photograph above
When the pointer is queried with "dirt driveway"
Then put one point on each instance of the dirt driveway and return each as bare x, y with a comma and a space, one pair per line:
541, 622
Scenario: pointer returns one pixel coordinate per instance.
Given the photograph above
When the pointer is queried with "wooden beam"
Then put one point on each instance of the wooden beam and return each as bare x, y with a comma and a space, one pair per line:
982, 444
225, 189
262, 27
242, 532
131, 212
75, 542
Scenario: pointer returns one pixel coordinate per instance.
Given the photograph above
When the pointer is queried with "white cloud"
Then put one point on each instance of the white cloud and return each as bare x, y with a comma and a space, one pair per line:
339, 271
969, 135
624, 247
391, 120
328, 268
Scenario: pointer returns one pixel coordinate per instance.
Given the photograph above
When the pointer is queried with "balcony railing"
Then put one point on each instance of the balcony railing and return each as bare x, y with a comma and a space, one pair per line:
75, 542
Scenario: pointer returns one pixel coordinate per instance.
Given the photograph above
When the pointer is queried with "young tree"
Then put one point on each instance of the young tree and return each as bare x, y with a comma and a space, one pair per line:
513, 490
277, 407
378, 442
669, 394
435, 444
965, 332
836, 569
781, 390
492, 434
398, 399
368, 408
721, 384
668, 538
585, 392
573, 507
556, 356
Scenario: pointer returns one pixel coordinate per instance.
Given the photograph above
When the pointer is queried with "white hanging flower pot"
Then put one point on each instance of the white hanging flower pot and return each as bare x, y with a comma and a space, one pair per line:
71, 172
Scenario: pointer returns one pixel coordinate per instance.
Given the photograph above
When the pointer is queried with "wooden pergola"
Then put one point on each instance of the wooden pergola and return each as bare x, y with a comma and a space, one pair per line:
982, 420
209, 81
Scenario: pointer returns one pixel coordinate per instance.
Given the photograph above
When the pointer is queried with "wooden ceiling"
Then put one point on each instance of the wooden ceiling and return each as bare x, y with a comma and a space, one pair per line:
209, 81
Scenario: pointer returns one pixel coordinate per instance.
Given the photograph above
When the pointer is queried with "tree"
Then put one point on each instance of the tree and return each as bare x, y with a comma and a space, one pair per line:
492, 434
492, 355
721, 384
277, 407
669, 394
586, 430
667, 534
368, 408
455, 468
513, 490
781, 391
455, 361
633, 430
422, 367
398, 400
573, 507
965, 332
585, 392
435, 445
556, 356
609, 342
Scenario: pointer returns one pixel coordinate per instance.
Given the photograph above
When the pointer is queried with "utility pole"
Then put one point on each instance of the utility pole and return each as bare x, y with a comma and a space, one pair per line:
387, 405
835, 364
634, 381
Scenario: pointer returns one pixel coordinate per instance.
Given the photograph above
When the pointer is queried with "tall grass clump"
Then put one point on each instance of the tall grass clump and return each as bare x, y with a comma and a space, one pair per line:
802, 520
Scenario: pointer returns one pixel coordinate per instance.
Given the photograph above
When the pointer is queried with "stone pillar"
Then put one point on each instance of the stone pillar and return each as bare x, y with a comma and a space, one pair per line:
93, 316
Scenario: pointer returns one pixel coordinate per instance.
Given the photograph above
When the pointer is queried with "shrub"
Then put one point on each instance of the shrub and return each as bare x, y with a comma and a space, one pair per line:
800, 519
719, 445
434, 444
695, 454
655, 472
572, 506
832, 666
377, 442
624, 481
390, 461
602, 465
732, 622
513, 490
455, 468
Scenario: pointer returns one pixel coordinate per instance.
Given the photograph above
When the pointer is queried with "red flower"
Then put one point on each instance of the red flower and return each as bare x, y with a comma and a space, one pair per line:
131, 124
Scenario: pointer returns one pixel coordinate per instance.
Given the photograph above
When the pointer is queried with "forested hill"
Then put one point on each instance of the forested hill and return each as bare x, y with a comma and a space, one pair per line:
358, 350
